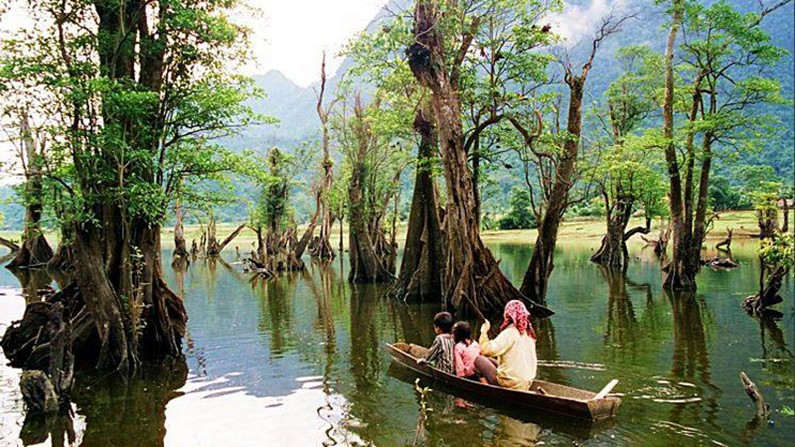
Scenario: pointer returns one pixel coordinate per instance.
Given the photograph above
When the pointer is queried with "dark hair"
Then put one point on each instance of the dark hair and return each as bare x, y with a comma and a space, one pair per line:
462, 331
444, 321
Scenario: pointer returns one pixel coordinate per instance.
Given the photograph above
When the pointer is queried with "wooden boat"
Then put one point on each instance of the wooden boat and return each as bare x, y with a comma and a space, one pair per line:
544, 396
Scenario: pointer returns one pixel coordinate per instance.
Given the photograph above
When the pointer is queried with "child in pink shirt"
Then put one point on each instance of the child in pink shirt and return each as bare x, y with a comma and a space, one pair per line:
466, 350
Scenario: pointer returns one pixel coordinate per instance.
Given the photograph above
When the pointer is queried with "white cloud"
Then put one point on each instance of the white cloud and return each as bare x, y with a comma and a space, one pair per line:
577, 22
293, 34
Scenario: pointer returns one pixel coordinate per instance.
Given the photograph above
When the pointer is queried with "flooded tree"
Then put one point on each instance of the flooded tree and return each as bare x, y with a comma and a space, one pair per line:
628, 170
724, 51
560, 174
442, 41
322, 247
34, 250
278, 248
374, 163
142, 90
776, 259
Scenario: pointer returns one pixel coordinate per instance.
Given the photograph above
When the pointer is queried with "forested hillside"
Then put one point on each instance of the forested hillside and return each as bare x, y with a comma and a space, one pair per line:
298, 126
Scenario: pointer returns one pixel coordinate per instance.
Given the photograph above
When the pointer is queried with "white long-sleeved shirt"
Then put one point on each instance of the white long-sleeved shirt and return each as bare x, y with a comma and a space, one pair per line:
516, 354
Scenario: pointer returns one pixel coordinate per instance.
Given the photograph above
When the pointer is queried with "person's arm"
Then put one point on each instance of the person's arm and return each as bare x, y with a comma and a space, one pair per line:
496, 347
433, 353
458, 361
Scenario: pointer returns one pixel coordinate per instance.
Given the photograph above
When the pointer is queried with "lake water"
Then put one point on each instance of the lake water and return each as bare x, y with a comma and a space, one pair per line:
300, 360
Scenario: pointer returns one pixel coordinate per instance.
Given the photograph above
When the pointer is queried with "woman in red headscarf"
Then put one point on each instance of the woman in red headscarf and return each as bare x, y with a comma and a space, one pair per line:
514, 348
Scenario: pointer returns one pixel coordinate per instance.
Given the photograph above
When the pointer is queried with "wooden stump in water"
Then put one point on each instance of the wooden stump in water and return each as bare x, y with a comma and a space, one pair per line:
762, 409
38, 392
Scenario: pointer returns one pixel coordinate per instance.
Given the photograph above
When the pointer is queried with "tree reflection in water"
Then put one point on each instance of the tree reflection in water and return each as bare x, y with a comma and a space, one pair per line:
690, 362
122, 411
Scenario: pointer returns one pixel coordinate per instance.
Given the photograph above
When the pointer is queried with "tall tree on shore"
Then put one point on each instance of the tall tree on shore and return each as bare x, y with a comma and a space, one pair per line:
140, 89
322, 247
726, 53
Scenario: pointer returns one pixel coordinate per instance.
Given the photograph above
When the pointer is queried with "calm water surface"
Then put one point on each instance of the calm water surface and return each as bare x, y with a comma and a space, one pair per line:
300, 360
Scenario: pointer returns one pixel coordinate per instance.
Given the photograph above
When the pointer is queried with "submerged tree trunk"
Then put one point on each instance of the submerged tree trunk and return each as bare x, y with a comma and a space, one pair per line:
181, 257
367, 264
472, 276
34, 251
534, 284
613, 251
421, 269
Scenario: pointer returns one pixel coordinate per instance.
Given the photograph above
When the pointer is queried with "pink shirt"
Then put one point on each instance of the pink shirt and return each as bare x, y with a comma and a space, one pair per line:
465, 358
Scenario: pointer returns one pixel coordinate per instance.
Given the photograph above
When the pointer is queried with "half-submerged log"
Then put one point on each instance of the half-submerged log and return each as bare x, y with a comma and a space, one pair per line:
720, 263
762, 409
726, 244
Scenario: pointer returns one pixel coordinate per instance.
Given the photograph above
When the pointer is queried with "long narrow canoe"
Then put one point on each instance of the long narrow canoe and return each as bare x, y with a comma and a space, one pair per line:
544, 396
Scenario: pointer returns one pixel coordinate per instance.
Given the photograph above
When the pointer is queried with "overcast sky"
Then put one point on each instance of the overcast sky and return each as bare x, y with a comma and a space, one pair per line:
292, 34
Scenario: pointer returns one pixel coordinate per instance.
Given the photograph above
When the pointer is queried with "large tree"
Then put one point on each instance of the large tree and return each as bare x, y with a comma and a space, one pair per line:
444, 32
374, 162
140, 88
627, 169
558, 168
724, 56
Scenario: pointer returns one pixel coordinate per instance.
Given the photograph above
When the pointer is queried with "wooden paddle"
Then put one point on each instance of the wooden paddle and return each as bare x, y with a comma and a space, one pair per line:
609, 387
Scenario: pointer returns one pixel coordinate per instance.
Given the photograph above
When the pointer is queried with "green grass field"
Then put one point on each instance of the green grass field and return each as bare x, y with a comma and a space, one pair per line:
578, 229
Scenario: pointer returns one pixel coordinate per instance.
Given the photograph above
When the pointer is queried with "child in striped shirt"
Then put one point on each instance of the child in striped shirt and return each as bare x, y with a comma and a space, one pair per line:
440, 354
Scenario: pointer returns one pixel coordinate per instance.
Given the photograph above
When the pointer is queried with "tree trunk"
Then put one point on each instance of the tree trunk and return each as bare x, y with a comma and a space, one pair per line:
534, 284
214, 247
423, 253
679, 275
367, 266
322, 249
181, 257
611, 252
34, 251
471, 274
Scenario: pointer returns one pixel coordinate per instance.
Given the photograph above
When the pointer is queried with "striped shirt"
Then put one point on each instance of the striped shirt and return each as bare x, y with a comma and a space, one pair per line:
440, 354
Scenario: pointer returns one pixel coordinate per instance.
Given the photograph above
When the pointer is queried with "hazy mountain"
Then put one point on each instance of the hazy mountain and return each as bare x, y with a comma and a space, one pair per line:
294, 106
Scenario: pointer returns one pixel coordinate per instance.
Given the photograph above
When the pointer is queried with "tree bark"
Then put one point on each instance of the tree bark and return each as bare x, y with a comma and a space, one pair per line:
536, 279
471, 274
423, 253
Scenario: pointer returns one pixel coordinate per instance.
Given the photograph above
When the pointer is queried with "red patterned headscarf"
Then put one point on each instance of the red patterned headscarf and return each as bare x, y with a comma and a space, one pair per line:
517, 314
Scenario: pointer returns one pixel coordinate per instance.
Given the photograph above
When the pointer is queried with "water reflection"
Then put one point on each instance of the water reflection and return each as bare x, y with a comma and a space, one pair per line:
129, 411
300, 359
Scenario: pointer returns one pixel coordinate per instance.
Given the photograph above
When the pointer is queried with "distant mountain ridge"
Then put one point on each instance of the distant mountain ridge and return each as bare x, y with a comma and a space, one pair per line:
294, 106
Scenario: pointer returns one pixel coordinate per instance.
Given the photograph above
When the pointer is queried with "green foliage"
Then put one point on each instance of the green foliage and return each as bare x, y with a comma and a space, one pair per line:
778, 251
139, 142
519, 217
723, 196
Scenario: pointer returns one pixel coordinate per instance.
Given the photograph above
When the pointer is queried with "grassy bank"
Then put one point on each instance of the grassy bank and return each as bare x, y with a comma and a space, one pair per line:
578, 229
